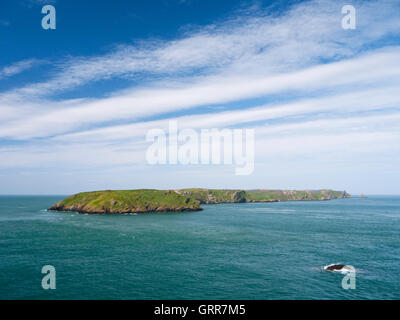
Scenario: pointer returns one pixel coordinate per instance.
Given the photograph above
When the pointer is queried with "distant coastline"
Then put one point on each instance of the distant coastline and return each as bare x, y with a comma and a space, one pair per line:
150, 200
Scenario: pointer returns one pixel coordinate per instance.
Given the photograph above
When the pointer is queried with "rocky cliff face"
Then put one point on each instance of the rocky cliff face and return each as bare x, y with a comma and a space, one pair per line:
214, 196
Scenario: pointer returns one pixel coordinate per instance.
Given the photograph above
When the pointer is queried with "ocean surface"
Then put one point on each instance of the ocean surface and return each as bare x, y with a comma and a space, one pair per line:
226, 251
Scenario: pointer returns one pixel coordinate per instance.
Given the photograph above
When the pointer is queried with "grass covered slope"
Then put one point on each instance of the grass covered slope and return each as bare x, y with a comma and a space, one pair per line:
146, 200
227, 196
291, 195
127, 201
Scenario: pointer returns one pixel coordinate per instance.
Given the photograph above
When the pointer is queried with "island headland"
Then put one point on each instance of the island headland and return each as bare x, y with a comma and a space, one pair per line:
150, 200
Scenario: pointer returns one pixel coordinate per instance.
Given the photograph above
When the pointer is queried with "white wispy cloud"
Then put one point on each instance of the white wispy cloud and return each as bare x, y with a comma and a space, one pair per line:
261, 43
342, 92
377, 68
344, 105
17, 67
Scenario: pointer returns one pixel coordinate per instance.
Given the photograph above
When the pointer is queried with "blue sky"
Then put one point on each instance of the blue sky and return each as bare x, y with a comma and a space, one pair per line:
76, 102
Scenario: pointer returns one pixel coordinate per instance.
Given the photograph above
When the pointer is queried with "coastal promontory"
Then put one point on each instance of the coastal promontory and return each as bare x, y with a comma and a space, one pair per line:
150, 200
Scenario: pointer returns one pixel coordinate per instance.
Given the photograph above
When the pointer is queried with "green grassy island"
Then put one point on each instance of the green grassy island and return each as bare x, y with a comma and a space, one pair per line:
149, 200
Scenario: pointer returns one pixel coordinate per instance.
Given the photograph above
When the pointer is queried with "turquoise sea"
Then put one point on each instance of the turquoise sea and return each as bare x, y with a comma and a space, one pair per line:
226, 251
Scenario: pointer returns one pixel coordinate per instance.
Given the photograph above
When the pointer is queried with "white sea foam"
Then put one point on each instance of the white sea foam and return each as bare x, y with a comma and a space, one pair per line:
344, 270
